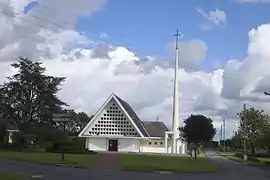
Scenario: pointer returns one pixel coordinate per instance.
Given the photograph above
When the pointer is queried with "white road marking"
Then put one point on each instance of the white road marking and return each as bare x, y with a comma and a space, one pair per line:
37, 176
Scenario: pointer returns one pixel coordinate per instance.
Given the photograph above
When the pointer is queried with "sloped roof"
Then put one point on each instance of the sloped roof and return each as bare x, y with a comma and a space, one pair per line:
147, 128
155, 128
133, 115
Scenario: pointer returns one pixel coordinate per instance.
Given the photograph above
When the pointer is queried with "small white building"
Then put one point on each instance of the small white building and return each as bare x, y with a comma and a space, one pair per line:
116, 127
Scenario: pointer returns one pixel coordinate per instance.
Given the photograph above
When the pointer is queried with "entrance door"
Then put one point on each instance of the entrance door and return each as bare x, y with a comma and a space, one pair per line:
113, 145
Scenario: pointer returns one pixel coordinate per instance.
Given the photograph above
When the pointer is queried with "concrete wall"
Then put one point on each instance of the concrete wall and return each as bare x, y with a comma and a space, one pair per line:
128, 145
101, 144
96, 144
131, 145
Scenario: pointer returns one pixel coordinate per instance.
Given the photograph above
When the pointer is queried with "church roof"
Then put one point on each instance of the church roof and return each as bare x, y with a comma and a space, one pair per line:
133, 115
145, 128
155, 128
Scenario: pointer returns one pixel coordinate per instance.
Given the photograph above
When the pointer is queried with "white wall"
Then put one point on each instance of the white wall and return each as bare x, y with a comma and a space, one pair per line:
128, 145
101, 144
96, 144
153, 149
132, 145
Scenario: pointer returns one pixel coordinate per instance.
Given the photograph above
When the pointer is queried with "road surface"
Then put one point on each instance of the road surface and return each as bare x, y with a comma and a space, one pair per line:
228, 170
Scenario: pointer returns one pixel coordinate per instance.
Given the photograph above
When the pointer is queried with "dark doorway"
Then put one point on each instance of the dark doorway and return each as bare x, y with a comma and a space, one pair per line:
113, 145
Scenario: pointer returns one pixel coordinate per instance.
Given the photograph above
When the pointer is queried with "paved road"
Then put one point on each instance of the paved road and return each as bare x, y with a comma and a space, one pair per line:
228, 170
236, 171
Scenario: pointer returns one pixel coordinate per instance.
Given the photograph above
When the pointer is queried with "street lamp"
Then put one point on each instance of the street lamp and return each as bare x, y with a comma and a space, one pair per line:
62, 118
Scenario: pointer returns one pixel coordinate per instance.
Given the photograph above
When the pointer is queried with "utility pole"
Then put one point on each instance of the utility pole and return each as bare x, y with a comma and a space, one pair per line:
245, 131
224, 135
221, 137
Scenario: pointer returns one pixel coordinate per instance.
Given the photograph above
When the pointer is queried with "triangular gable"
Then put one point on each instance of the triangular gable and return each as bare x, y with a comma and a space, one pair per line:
111, 120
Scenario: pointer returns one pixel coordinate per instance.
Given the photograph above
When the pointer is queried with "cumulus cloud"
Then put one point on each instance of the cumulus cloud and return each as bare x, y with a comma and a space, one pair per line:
191, 53
213, 18
253, 1
95, 72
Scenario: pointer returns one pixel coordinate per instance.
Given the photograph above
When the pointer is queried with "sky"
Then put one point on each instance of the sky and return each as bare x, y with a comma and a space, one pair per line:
127, 47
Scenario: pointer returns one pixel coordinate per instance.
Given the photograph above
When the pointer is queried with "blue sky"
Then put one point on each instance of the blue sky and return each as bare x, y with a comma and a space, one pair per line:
146, 26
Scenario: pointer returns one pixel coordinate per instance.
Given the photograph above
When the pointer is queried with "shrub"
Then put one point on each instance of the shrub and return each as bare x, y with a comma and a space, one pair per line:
70, 146
10, 147
261, 155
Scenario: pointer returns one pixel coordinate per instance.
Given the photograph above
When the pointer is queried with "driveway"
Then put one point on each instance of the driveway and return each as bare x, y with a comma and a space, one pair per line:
228, 170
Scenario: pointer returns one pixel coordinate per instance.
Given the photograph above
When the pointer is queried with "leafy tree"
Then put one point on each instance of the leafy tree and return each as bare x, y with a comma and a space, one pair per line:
29, 97
253, 125
77, 122
198, 129
264, 140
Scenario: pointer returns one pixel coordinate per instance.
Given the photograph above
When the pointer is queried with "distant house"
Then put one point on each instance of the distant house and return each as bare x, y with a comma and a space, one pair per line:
116, 127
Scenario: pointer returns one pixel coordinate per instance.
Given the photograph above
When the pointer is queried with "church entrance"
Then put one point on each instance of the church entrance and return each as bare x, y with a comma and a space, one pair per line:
113, 145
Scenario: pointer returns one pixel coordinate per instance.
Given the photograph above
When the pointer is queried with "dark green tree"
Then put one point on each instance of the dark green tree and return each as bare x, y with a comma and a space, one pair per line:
29, 97
253, 125
198, 129
3, 130
77, 122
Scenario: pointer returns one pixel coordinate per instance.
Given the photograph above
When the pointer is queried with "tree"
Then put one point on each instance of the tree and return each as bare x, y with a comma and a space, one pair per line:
253, 125
197, 129
77, 122
3, 130
29, 97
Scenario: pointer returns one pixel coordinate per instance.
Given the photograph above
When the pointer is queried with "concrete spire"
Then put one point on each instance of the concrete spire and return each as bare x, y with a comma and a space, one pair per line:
175, 123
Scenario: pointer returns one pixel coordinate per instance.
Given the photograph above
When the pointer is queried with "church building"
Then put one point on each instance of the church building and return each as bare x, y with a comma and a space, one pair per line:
116, 127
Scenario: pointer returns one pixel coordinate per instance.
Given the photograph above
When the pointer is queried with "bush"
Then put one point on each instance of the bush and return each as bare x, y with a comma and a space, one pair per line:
70, 146
10, 147
261, 155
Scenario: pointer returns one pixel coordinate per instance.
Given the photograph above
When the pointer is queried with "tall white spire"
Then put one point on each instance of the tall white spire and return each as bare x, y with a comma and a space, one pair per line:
175, 123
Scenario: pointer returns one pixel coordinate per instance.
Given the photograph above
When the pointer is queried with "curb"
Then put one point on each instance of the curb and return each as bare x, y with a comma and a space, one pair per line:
71, 166
164, 172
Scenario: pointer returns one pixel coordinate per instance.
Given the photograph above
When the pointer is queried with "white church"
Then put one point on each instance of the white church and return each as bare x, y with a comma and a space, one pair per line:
116, 127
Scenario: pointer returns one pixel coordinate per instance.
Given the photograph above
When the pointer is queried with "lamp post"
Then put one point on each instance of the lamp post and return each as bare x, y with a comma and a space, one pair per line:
62, 118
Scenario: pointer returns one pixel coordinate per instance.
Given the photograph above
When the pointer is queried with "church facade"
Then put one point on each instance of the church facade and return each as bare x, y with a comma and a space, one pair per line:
116, 127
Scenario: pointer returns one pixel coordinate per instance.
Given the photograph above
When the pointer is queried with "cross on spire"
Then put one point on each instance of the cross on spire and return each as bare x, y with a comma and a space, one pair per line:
177, 35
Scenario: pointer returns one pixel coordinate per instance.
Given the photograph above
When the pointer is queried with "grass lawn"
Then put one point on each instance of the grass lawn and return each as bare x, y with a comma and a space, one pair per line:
49, 158
135, 162
10, 176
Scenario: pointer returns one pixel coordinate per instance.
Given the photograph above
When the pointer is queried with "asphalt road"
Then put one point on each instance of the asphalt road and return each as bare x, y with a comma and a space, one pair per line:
228, 170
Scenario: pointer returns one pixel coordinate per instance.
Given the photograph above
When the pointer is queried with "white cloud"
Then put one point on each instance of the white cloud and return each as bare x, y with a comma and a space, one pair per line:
103, 35
191, 53
213, 18
253, 1
145, 82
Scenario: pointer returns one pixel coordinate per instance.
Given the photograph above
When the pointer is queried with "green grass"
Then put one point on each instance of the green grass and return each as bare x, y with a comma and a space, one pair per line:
133, 162
10, 176
49, 158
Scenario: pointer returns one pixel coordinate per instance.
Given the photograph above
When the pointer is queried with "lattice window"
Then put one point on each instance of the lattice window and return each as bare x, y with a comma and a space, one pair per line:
113, 122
